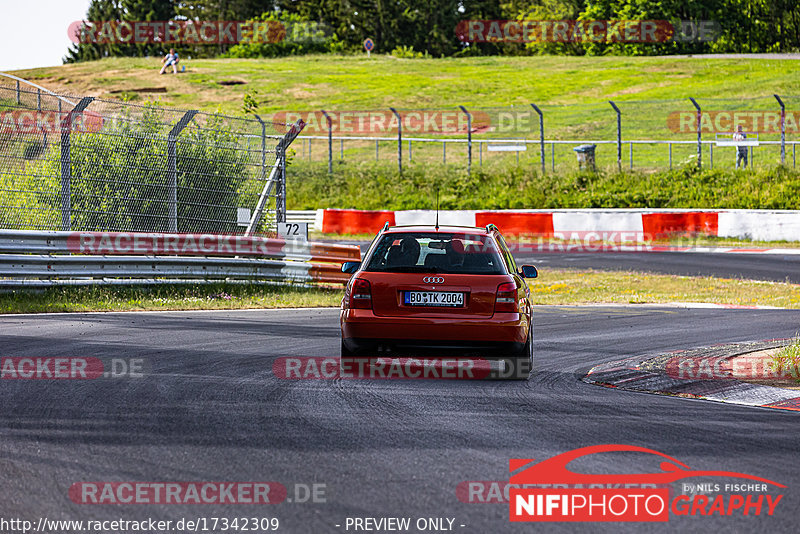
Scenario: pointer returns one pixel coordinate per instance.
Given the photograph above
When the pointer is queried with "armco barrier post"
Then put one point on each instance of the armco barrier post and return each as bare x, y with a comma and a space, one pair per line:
172, 167
699, 133
619, 138
783, 129
330, 141
66, 163
469, 138
541, 134
399, 140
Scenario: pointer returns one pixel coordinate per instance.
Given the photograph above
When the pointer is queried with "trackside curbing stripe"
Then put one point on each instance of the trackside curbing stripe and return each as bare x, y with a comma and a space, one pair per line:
649, 374
762, 225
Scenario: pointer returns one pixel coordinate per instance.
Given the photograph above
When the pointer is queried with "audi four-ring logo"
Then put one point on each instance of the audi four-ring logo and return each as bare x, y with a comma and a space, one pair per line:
433, 280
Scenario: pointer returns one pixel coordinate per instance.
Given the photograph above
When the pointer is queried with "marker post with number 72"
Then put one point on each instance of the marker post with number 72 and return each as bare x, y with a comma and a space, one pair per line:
293, 231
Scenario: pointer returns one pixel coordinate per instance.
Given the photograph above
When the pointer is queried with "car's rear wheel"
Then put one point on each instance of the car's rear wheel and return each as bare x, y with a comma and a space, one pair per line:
345, 352
520, 366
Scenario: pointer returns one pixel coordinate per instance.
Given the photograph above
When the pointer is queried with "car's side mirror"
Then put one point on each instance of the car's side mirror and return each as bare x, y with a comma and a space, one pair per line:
529, 271
350, 267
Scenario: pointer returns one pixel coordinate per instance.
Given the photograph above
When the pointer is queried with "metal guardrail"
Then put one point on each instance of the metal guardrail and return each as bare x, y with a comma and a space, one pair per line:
55, 258
302, 216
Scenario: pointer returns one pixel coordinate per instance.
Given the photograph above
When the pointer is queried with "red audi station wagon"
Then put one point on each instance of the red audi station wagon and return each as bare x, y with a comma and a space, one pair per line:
445, 288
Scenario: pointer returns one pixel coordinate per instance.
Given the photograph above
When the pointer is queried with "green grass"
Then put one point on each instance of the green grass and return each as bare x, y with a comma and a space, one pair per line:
553, 287
355, 82
788, 359
197, 297
572, 91
366, 186
566, 286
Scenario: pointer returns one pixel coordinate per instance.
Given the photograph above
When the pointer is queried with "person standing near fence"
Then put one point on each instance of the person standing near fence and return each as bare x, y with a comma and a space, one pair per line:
741, 151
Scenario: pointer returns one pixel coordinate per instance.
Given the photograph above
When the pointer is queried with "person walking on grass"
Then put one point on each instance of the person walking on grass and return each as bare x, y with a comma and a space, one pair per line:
170, 59
741, 151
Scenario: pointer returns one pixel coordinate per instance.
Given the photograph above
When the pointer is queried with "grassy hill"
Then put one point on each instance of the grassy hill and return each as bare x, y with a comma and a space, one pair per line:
355, 82
572, 91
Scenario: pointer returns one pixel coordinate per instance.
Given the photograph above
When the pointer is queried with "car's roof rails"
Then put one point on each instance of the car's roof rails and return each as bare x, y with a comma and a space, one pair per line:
490, 227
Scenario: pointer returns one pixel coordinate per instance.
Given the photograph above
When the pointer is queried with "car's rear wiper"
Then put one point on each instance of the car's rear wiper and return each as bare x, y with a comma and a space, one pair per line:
411, 269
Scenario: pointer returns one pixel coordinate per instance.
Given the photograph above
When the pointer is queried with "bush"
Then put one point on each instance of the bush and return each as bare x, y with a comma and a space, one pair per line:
120, 180
407, 52
287, 34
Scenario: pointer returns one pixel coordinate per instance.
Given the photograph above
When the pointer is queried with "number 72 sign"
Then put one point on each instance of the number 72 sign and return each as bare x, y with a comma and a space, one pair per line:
293, 231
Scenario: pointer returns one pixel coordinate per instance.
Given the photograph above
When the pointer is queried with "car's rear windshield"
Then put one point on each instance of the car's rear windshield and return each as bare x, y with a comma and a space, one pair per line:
438, 252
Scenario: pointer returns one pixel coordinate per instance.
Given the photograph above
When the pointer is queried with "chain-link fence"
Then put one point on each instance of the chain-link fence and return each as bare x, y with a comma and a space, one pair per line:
80, 163
645, 135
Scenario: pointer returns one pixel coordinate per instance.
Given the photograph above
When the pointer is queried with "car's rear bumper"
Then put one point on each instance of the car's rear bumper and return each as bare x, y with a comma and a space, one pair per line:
362, 329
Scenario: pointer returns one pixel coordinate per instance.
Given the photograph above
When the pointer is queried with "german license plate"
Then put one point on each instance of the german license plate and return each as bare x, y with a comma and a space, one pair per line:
434, 298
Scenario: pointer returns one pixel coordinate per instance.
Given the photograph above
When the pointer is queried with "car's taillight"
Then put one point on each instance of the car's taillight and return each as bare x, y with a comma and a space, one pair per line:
506, 300
360, 295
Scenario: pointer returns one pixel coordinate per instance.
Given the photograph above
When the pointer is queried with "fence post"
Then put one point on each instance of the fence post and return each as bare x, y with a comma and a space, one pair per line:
18, 99
699, 134
38, 99
280, 183
66, 163
541, 134
711, 156
783, 129
263, 146
330, 141
399, 140
276, 176
469, 139
619, 138
631, 155
172, 167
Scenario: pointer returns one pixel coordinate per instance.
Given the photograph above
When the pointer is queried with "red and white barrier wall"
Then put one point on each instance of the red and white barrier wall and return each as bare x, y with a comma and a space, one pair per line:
761, 225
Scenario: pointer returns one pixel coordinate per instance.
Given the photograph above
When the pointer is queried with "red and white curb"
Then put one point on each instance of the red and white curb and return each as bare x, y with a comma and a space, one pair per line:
599, 224
649, 375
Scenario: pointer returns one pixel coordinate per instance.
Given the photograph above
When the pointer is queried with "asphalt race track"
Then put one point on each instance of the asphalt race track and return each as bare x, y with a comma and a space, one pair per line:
752, 266
208, 408
772, 267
